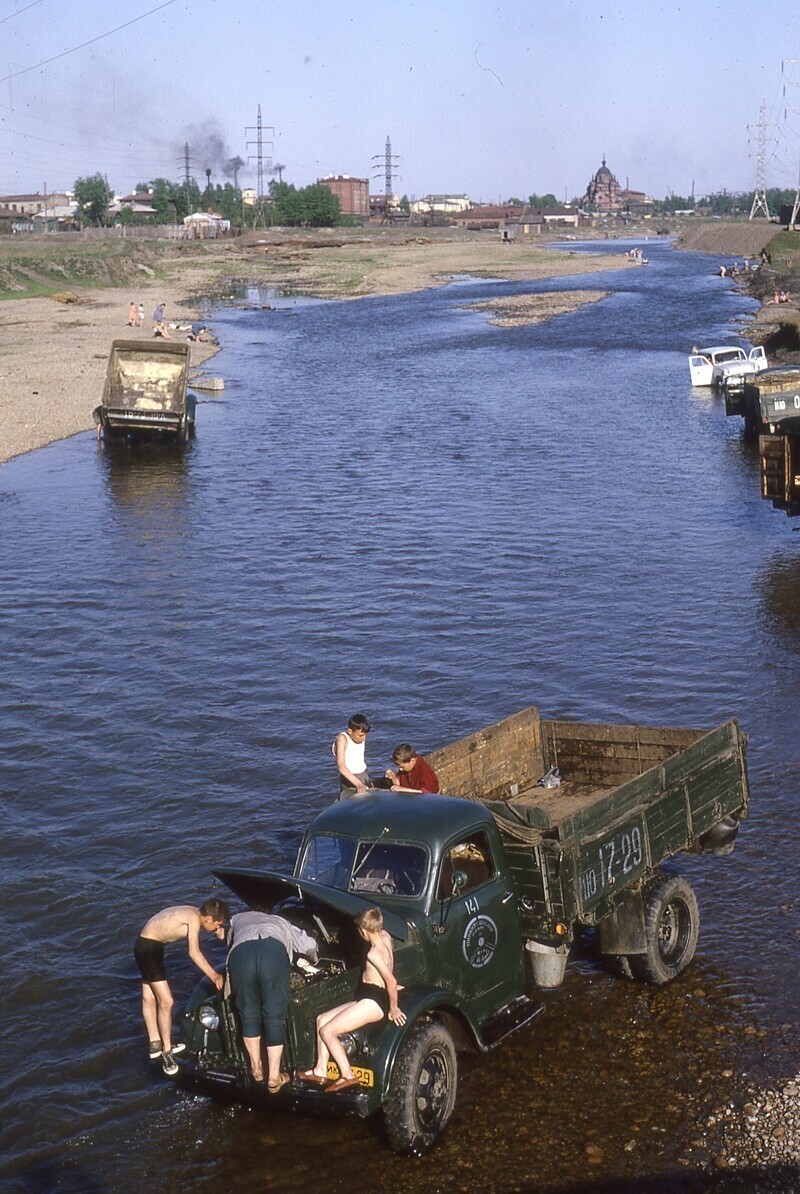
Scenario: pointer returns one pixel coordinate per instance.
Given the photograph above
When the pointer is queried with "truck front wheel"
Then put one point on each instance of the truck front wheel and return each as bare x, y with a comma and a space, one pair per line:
422, 1092
672, 926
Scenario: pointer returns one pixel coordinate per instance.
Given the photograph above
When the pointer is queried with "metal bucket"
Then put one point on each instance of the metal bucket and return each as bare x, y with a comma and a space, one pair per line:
548, 963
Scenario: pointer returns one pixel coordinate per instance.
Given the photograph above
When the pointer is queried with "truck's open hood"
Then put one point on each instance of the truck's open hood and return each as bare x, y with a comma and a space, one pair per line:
268, 887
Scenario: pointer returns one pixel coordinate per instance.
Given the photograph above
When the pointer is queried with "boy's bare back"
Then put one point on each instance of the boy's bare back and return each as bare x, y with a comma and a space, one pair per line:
173, 924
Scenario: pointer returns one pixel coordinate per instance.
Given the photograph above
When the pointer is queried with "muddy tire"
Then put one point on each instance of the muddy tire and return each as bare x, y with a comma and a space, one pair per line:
422, 1092
672, 926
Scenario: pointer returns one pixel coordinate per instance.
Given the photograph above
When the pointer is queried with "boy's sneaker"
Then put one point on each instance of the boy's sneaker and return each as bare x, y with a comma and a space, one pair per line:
179, 1048
155, 1050
168, 1063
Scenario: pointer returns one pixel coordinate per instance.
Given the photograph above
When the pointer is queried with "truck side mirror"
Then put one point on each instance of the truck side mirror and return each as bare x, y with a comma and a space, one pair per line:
458, 883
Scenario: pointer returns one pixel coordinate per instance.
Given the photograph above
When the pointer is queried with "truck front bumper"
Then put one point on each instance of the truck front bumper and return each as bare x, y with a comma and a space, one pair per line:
228, 1086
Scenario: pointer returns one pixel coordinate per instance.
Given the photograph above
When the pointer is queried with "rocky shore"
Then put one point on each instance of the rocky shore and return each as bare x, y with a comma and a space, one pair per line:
754, 1139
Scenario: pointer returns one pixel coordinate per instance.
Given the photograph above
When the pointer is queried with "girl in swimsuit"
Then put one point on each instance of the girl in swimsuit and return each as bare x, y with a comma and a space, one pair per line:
375, 997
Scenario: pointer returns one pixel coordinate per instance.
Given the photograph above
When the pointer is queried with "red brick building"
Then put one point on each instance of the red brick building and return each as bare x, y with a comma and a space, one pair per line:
352, 193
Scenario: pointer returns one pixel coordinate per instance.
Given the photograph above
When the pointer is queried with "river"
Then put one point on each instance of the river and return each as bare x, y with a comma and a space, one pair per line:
399, 509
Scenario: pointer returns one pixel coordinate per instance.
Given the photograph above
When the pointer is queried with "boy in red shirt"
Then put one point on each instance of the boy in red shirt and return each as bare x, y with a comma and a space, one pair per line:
413, 773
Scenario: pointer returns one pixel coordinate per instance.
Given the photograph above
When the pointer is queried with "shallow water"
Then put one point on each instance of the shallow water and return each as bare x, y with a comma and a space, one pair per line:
397, 508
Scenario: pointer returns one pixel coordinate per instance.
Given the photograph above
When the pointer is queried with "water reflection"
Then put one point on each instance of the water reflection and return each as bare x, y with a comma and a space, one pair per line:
148, 485
778, 586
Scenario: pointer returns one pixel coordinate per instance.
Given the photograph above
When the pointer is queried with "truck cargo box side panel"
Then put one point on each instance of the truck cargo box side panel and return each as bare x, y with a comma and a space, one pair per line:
607, 864
667, 823
487, 764
714, 793
707, 748
619, 803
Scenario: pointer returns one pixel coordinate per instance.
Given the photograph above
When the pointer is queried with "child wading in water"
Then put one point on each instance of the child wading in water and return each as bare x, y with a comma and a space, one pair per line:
183, 921
375, 997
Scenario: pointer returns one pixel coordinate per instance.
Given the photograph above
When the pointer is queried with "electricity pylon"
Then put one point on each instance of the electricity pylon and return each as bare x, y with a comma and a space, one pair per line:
760, 196
389, 163
259, 217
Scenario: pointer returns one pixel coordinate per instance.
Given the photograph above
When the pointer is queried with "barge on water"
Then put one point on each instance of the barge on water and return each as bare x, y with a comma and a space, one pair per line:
145, 396
770, 407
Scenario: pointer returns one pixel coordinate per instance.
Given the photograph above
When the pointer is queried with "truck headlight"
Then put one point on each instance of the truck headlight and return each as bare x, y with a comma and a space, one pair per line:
208, 1017
350, 1043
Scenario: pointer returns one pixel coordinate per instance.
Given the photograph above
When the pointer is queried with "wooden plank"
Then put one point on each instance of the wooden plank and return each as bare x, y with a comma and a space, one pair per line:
667, 824
489, 763
709, 746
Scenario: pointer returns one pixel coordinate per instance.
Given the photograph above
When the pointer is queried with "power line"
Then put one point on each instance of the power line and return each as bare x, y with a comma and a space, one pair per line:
46, 61
19, 11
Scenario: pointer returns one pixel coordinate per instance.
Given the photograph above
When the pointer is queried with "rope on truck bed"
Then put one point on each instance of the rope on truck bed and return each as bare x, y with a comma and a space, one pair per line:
528, 835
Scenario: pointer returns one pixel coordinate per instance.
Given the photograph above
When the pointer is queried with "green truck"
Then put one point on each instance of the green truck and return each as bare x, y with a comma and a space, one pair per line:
547, 827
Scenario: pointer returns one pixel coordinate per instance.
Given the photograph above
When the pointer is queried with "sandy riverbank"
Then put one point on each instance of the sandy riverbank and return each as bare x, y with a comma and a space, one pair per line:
53, 360
53, 355
524, 309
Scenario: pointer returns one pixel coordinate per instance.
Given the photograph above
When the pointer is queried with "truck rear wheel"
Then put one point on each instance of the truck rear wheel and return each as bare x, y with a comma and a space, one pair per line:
672, 926
422, 1092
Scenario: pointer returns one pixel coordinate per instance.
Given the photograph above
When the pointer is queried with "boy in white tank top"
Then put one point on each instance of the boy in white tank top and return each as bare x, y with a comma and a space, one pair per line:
349, 750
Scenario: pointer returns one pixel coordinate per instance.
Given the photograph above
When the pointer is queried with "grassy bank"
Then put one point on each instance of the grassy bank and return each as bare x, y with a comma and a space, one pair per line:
38, 266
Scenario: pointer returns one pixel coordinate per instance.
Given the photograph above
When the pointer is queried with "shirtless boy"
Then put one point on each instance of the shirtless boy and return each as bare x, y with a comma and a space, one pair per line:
173, 924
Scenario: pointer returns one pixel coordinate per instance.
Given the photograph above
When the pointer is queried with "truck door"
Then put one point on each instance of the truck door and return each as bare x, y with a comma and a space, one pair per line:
476, 923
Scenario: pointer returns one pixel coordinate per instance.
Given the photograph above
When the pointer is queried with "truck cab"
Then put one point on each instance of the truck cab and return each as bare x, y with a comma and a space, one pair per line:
440, 864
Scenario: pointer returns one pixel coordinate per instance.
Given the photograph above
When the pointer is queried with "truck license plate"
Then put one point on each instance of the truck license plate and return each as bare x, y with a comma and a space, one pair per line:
365, 1077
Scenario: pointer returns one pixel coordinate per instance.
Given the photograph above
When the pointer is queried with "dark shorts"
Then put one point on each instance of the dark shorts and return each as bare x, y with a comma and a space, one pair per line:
377, 994
149, 957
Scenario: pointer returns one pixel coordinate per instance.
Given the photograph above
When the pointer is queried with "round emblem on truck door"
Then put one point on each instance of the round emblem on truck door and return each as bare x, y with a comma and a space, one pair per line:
480, 941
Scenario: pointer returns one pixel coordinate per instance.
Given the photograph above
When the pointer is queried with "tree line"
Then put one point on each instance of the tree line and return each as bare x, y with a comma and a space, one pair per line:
316, 207
313, 206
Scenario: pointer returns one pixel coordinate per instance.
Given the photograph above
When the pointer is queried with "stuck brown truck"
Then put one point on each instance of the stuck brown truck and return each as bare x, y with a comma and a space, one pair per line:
145, 396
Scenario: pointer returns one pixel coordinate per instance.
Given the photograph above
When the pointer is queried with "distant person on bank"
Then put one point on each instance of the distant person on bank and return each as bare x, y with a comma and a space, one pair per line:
173, 924
413, 774
158, 323
349, 749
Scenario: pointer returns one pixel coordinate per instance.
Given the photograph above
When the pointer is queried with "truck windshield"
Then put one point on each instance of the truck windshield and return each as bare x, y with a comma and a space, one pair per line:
329, 859
387, 868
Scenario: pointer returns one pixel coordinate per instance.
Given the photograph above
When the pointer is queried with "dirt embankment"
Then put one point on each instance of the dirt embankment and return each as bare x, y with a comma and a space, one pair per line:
737, 238
777, 324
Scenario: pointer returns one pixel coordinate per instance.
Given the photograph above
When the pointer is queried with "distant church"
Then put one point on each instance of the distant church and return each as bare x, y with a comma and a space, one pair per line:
606, 196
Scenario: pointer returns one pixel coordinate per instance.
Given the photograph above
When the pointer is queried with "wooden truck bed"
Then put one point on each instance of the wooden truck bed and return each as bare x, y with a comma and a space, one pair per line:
630, 797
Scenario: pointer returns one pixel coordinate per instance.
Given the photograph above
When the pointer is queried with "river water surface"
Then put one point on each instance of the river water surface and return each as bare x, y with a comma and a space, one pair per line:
399, 509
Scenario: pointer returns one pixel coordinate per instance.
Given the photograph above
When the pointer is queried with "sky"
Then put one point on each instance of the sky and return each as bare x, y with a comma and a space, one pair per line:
489, 99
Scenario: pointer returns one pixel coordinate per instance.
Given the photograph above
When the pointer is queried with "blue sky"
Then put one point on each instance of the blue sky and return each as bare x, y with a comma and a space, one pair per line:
491, 99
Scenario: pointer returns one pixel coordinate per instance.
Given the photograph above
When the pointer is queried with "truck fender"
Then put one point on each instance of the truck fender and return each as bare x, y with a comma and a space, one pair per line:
624, 931
417, 1004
